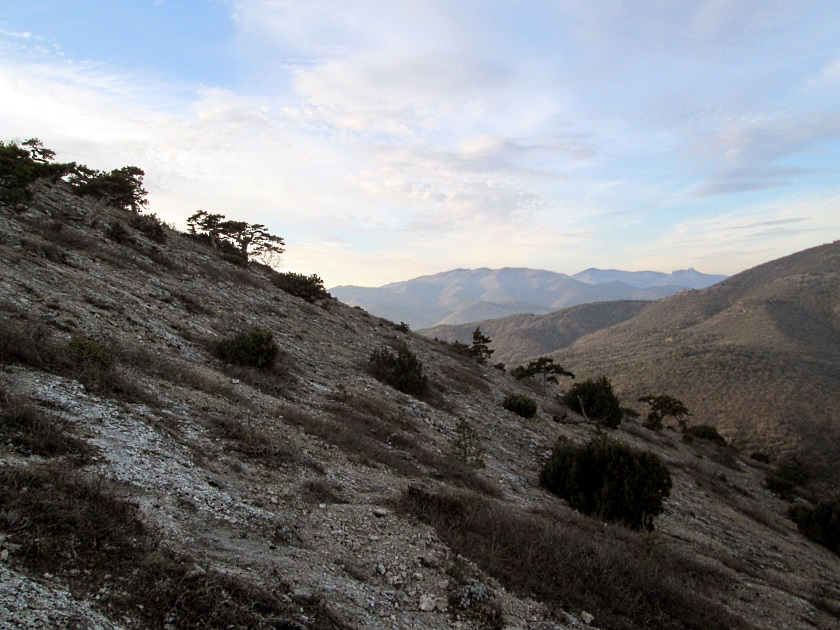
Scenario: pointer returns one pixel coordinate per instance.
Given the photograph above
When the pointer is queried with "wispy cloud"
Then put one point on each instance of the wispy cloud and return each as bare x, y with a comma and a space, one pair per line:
556, 134
16, 34
735, 239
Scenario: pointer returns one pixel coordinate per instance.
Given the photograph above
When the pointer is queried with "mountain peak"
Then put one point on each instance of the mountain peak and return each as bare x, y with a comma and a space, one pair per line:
458, 295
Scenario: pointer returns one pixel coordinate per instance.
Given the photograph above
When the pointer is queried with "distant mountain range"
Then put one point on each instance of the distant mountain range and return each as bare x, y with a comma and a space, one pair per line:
468, 295
755, 355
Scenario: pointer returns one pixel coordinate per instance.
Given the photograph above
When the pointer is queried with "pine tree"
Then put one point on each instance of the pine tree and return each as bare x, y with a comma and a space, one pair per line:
544, 366
479, 348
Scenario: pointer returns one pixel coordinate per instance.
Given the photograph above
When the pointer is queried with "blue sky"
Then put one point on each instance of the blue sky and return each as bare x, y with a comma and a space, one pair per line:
388, 140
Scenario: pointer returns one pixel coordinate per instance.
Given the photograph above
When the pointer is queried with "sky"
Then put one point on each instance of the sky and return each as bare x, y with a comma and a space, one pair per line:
389, 140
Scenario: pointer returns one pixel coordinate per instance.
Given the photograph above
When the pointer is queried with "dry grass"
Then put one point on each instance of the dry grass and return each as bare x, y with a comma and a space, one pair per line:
32, 432
321, 491
74, 528
32, 345
363, 441
374, 436
466, 378
626, 579
252, 441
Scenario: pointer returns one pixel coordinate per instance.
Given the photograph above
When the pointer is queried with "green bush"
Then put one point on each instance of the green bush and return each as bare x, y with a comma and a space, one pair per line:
704, 432
402, 371
309, 288
786, 478
90, 351
596, 400
256, 348
520, 405
117, 233
820, 523
230, 253
608, 480
150, 226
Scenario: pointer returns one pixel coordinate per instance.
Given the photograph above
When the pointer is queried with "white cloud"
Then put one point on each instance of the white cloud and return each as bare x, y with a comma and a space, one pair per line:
436, 134
733, 240
16, 34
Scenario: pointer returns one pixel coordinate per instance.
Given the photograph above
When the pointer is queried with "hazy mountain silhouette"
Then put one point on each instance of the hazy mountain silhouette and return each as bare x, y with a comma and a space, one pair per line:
687, 278
465, 295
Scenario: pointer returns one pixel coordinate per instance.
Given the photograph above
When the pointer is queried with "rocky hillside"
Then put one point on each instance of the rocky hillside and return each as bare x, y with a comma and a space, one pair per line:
146, 481
755, 355
469, 295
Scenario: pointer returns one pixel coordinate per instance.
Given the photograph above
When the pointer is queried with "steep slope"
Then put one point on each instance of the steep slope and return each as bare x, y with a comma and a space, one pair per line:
466, 295
520, 337
144, 482
755, 355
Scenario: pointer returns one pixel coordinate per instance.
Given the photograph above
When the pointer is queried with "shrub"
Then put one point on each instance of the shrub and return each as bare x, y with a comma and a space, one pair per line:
229, 253
402, 371
117, 233
90, 350
466, 445
787, 477
150, 226
609, 480
520, 405
309, 288
820, 523
704, 432
595, 399
256, 348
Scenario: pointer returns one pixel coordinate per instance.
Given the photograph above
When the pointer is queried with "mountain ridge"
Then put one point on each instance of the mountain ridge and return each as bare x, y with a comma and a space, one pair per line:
463, 295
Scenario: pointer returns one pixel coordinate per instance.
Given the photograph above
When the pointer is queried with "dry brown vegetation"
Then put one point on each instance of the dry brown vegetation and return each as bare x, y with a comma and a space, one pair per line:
78, 529
139, 467
627, 580
32, 432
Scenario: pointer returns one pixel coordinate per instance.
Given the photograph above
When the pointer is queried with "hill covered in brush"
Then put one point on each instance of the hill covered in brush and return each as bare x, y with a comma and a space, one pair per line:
755, 356
189, 438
